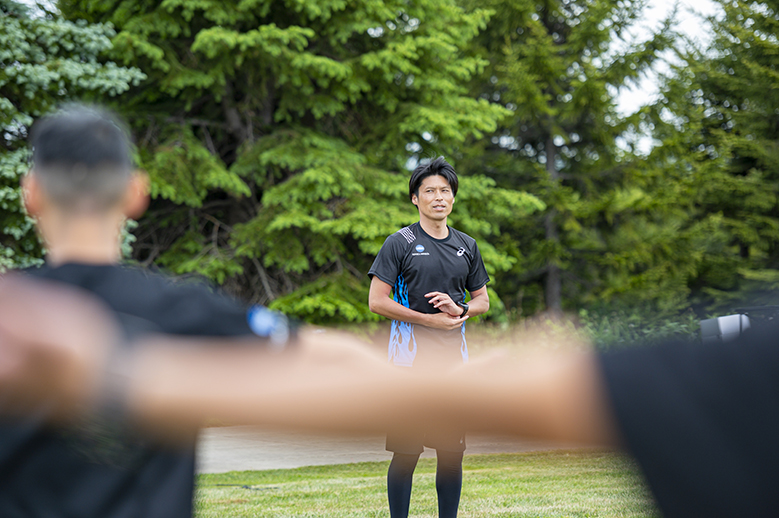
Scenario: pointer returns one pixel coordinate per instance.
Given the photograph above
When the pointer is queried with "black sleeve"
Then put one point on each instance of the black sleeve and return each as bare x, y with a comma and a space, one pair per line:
703, 422
388, 262
200, 309
477, 276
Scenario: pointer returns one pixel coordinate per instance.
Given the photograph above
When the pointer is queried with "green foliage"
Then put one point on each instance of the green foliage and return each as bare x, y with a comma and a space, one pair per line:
19, 245
44, 61
329, 299
277, 136
128, 238
609, 329
196, 254
184, 171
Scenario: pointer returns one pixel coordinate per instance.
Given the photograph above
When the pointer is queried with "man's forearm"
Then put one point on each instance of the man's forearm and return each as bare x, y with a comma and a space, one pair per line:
388, 308
331, 384
559, 397
550, 397
478, 305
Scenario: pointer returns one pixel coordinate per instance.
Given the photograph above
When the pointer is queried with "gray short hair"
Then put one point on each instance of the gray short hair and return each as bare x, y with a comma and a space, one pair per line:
81, 156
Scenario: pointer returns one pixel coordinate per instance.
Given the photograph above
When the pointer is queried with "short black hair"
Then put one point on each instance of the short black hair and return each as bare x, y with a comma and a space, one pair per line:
82, 156
439, 167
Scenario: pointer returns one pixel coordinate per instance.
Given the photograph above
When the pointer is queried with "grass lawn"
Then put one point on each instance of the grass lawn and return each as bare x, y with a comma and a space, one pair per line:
582, 483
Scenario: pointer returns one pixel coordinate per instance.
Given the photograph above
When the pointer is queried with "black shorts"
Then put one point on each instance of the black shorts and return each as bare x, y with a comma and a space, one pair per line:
438, 356
413, 442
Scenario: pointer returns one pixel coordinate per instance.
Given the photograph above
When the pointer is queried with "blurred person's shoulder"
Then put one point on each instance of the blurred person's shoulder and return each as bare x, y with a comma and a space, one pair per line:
185, 305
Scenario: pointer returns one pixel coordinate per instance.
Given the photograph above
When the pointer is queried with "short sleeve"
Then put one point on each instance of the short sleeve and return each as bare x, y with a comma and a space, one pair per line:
477, 276
702, 421
387, 265
196, 309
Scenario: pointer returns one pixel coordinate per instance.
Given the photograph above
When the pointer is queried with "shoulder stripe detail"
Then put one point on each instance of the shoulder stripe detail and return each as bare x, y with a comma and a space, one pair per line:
408, 234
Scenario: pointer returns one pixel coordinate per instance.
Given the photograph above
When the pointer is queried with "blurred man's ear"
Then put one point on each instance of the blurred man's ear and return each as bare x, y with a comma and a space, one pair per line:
32, 196
137, 197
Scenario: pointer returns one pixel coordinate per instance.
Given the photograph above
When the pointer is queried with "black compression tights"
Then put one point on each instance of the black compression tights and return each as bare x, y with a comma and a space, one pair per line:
448, 483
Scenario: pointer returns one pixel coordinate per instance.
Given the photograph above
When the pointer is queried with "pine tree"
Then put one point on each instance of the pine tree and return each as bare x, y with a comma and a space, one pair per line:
718, 124
277, 136
44, 61
558, 65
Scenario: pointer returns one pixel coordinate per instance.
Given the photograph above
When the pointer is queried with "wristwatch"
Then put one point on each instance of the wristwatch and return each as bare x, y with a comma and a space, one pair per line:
465, 308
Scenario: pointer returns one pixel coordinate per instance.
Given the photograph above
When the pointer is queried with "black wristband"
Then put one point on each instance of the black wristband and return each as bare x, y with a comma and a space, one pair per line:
465, 308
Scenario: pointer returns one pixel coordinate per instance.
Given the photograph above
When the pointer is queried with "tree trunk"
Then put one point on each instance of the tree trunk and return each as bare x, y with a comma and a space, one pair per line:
553, 283
232, 115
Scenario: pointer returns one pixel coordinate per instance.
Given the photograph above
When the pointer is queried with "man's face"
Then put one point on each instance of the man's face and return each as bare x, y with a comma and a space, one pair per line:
435, 198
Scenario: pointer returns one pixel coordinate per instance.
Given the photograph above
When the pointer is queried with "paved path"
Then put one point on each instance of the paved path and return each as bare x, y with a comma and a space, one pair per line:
240, 448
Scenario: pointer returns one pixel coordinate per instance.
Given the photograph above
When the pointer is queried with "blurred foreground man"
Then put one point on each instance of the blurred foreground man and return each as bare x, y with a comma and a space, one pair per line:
80, 190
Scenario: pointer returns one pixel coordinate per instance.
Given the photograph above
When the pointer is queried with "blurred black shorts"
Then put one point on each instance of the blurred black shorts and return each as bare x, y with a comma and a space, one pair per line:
413, 442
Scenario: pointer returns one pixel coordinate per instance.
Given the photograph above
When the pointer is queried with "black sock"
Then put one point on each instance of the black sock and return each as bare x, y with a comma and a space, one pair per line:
399, 477
448, 482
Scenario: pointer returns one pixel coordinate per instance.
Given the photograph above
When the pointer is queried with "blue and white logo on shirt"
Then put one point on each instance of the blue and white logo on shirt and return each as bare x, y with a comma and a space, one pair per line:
419, 248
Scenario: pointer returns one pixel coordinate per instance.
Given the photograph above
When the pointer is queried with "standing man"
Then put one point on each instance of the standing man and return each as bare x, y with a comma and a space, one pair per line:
428, 266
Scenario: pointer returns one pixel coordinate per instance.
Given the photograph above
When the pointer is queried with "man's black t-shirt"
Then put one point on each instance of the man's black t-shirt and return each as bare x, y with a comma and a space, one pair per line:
95, 469
414, 264
703, 422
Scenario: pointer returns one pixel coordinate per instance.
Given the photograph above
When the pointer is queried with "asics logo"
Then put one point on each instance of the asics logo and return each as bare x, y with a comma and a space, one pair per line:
460, 252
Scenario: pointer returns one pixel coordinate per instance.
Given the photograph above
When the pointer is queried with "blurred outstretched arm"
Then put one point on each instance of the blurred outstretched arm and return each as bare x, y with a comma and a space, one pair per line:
59, 345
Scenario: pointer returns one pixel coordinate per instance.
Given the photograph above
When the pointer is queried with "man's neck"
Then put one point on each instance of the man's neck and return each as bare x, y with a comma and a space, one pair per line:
434, 228
86, 240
